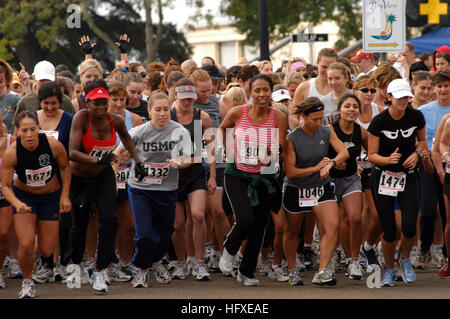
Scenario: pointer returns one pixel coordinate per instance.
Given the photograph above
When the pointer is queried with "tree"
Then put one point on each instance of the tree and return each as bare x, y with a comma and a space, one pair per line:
31, 31
285, 15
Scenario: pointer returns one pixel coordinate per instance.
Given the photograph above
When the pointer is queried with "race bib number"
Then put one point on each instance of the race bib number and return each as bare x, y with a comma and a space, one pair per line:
38, 177
251, 153
123, 173
363, 160
98, 151
391, 183
308, 197
54, 134
157, 172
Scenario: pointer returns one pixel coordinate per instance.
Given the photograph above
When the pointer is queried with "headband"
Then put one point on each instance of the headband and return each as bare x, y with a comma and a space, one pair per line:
315, 108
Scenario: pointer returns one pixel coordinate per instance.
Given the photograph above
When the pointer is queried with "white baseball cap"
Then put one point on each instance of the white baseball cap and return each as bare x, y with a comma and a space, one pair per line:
44, 70
399, 88
280, 95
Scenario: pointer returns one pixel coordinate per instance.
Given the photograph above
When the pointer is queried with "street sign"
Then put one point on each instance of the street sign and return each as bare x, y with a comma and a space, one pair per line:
384, 25
310, 37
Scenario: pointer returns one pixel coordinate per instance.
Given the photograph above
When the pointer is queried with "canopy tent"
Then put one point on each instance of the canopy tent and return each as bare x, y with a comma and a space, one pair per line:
431, 40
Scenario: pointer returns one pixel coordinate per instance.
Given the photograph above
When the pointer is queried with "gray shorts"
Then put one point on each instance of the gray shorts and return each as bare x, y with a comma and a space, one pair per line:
347, 185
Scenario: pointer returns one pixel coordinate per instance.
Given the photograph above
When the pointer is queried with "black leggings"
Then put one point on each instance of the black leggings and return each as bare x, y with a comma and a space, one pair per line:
250, 222
84, 193
409, 206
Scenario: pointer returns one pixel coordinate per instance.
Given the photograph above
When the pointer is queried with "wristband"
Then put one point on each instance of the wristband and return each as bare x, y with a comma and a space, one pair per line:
443, 156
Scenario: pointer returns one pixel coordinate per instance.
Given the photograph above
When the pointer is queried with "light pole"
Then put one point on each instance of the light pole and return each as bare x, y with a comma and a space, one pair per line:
263, 21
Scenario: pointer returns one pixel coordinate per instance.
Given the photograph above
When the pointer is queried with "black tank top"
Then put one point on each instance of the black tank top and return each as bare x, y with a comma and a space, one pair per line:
353, 144
36, 168
190, 127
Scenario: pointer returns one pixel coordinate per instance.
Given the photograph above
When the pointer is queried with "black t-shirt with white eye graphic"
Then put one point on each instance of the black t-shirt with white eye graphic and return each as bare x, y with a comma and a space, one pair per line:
397, 133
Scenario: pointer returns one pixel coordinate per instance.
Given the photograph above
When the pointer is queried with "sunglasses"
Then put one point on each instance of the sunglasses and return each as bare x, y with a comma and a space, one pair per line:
143, 74
365, 90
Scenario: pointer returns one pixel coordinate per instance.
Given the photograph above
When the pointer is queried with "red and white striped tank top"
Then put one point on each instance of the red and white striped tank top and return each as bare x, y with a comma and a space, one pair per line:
253, 142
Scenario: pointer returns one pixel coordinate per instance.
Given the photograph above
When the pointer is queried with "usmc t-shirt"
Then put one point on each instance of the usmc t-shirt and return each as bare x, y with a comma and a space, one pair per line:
397, 133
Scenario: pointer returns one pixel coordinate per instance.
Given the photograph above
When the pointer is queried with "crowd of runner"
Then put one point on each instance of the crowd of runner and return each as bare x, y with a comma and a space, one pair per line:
185, 169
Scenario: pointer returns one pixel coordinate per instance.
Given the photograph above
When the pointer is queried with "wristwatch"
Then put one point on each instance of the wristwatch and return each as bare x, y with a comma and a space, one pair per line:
334, 161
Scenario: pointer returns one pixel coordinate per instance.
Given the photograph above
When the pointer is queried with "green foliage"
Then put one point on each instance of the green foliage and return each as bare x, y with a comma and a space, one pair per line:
43, 18
285, 15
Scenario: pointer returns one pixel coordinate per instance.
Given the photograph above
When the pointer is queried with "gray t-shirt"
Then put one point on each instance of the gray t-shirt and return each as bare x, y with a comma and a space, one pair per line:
154, 147
8, 105
309, 151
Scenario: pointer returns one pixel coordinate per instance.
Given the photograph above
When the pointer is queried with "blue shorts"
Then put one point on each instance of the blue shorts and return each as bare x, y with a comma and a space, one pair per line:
45, 206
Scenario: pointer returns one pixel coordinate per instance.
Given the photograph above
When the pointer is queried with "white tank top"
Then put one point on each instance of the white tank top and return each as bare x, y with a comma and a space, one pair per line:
375, 111
313, 90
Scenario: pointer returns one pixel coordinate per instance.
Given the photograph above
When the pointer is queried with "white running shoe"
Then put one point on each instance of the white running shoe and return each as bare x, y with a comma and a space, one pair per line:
214, 260
89, 264
99, 281
43, 274
278, 273
200, 272
263, 267
354, 270
172, 265
28, 290
247, 281
161, 274
2, 281
14, 269
141, 279
115, 273
180, 271
226, 262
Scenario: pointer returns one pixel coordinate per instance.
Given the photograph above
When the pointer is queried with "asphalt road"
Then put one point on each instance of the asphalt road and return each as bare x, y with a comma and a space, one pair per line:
219, 297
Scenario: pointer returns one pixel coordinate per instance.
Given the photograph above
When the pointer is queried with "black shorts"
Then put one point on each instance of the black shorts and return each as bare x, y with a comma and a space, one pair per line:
122, 194
45, 206
190, 180
4, 203
447, 185
291, 198
365, 178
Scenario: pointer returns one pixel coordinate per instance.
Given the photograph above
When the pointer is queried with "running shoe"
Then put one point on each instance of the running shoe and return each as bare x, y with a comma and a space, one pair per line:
161, 274
437, 257
141, 279
43, 274
2, 281
381, 261
263, 267
200, 272
130, 269
294, 278
324, 277
445, 270
60, 272
28, 290
347, 267
190, 262
371, 258
115, 273
172, 265
341, 264
398, 274
180, 271
5, 263
333, 264
226, 262
214, 260
354, 270
98, 281
14, 269
299, 263
408, 273
309, 258
423, 260
208, 252
89, 264
236, 263
247, 281
388, 280
278, 273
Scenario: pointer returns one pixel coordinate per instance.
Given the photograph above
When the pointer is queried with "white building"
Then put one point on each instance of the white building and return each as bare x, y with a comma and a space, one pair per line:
226, 46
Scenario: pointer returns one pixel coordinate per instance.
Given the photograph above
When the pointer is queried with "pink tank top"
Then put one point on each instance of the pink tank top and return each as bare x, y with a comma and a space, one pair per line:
253, 142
